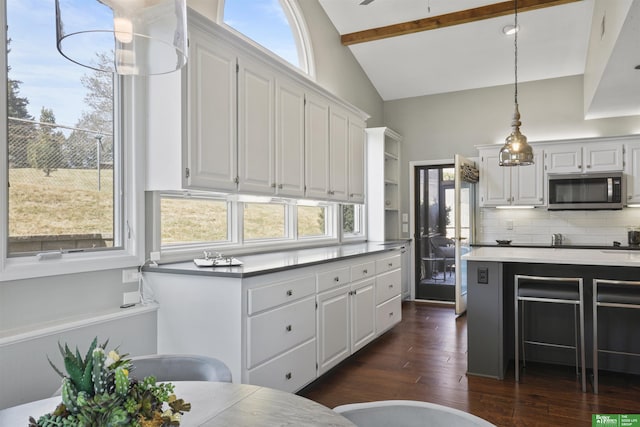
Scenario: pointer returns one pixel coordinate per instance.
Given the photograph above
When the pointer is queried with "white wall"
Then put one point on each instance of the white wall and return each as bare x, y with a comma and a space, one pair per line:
440, 126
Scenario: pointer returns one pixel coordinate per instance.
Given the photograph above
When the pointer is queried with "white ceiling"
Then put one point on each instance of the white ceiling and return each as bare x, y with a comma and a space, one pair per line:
553, 42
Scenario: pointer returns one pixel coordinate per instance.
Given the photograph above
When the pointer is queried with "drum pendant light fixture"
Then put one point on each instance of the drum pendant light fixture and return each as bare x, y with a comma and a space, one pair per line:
516, 151
137, 37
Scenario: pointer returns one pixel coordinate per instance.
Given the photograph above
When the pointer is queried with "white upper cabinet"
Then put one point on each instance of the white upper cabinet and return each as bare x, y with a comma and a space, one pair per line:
316, 147
210, 114
583, 158
290, 125
510, 185
334, 142
357, 172
603, 157
632, 170
250, 124
338, 153
271, 132
256, 135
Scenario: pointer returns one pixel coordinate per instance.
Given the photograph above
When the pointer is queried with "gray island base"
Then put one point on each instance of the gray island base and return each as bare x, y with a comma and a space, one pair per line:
490, 318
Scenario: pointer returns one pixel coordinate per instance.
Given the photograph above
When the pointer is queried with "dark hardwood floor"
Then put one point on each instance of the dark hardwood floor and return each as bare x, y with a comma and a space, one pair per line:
424, 358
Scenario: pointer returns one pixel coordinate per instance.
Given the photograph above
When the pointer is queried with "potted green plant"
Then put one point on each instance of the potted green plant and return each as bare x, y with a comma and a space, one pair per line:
97, 391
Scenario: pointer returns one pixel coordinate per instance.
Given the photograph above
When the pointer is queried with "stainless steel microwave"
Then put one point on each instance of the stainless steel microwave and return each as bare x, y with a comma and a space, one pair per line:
591, 191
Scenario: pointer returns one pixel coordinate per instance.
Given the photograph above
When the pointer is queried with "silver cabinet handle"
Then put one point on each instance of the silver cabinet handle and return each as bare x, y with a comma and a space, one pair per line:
336, 279
365, 271
288, 375
280, 186
391, 314
391, 286
288, 328
289, 292
273, 185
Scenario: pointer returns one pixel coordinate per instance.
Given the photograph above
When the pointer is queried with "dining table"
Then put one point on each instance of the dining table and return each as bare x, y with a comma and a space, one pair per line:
215, 404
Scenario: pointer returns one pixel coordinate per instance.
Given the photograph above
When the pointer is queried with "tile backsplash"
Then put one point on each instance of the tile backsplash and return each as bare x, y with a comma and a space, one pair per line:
535, 226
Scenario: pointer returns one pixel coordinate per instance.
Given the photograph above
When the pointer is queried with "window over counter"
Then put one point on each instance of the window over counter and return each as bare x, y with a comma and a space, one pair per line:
192, 221
68, 193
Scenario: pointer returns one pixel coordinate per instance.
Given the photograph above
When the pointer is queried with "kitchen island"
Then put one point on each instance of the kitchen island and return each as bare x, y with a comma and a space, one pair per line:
490, 310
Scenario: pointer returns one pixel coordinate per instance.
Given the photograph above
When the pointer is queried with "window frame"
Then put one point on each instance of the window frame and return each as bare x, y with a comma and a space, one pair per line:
299, 30
129, 125
360, 211
237, 244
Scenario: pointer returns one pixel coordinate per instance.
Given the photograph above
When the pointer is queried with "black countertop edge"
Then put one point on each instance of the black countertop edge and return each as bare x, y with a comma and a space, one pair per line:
274, 262
542, 246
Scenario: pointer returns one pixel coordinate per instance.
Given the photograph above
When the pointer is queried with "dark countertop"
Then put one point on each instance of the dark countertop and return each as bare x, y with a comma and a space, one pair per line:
272, 262
533, 245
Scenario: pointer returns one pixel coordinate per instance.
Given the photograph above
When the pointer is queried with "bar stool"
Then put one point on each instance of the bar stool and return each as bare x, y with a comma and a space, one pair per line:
553, 290
615, 294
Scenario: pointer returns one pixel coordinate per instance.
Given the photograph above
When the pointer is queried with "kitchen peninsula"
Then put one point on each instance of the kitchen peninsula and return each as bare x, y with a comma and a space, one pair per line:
281, 319
490, 310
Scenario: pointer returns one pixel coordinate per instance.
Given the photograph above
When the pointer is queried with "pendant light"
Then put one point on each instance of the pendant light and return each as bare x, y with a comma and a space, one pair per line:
139, 37
516, 151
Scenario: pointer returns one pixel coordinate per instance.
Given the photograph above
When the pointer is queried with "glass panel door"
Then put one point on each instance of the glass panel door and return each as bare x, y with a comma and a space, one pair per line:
434, 232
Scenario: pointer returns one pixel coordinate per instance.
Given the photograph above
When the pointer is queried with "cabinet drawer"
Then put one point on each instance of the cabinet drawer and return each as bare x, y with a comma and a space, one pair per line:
270, 296
289, 372
363, 271
331, 279
388, 285
388, 314
386, 264
276, 331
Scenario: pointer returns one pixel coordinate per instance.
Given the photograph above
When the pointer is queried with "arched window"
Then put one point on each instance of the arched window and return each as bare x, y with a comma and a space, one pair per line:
276, 25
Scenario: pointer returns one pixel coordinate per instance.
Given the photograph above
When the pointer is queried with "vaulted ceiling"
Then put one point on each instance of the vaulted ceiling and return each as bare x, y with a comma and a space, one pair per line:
412, 48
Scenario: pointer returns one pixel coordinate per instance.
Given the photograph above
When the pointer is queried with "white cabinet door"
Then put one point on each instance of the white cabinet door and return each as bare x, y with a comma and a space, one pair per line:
289, 139
316, 147
356, 160
582, 158
211, 114
256, 143
527, 182
363, 314
632, 171
495, 180
563, 158
333, 337
603, 157
338, 153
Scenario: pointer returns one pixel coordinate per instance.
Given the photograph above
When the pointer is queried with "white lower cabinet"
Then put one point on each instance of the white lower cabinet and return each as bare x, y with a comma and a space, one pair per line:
388, 314
363, 326
276, 331
290, 371
280, 330
388, 293
333, 328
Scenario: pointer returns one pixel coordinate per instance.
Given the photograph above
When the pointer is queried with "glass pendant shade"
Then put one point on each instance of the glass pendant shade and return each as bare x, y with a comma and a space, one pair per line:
130, 37
516, 151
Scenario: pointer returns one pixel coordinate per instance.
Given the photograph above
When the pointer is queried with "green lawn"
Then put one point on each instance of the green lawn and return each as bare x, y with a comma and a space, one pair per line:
69, 202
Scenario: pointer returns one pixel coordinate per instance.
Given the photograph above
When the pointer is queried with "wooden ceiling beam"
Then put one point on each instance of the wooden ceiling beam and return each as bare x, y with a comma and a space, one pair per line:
447, 20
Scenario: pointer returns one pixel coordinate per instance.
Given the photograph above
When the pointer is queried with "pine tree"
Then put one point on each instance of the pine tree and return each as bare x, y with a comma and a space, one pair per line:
45, 152
19, 132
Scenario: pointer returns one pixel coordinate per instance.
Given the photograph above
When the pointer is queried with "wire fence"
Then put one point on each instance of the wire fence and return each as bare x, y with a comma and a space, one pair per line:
46, 147
60, 186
